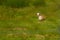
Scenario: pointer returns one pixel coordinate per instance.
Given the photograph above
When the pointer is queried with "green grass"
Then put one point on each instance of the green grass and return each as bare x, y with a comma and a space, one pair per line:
22, 3
23, 24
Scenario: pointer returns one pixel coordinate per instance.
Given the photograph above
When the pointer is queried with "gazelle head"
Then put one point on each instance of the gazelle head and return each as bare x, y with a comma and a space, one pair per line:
38, 14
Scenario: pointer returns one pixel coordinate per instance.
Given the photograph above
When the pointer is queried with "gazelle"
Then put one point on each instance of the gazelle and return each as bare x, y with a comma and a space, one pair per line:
41, 17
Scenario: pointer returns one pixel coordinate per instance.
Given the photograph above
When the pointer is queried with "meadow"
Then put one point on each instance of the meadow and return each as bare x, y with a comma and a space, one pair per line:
18, 20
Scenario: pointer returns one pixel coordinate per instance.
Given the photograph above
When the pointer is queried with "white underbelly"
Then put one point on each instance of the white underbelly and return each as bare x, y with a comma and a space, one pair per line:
40, 17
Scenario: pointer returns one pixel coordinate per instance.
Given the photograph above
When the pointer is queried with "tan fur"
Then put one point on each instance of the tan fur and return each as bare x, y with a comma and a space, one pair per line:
41, 17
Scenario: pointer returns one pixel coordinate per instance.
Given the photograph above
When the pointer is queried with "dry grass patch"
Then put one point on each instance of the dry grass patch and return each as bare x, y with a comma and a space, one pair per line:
18, 28
38, 36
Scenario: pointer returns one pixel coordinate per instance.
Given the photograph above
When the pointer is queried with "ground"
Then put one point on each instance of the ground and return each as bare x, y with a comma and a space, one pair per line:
23, 24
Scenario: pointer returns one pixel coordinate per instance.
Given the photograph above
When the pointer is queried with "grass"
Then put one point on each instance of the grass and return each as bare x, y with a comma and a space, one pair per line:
22, 24
22, 3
